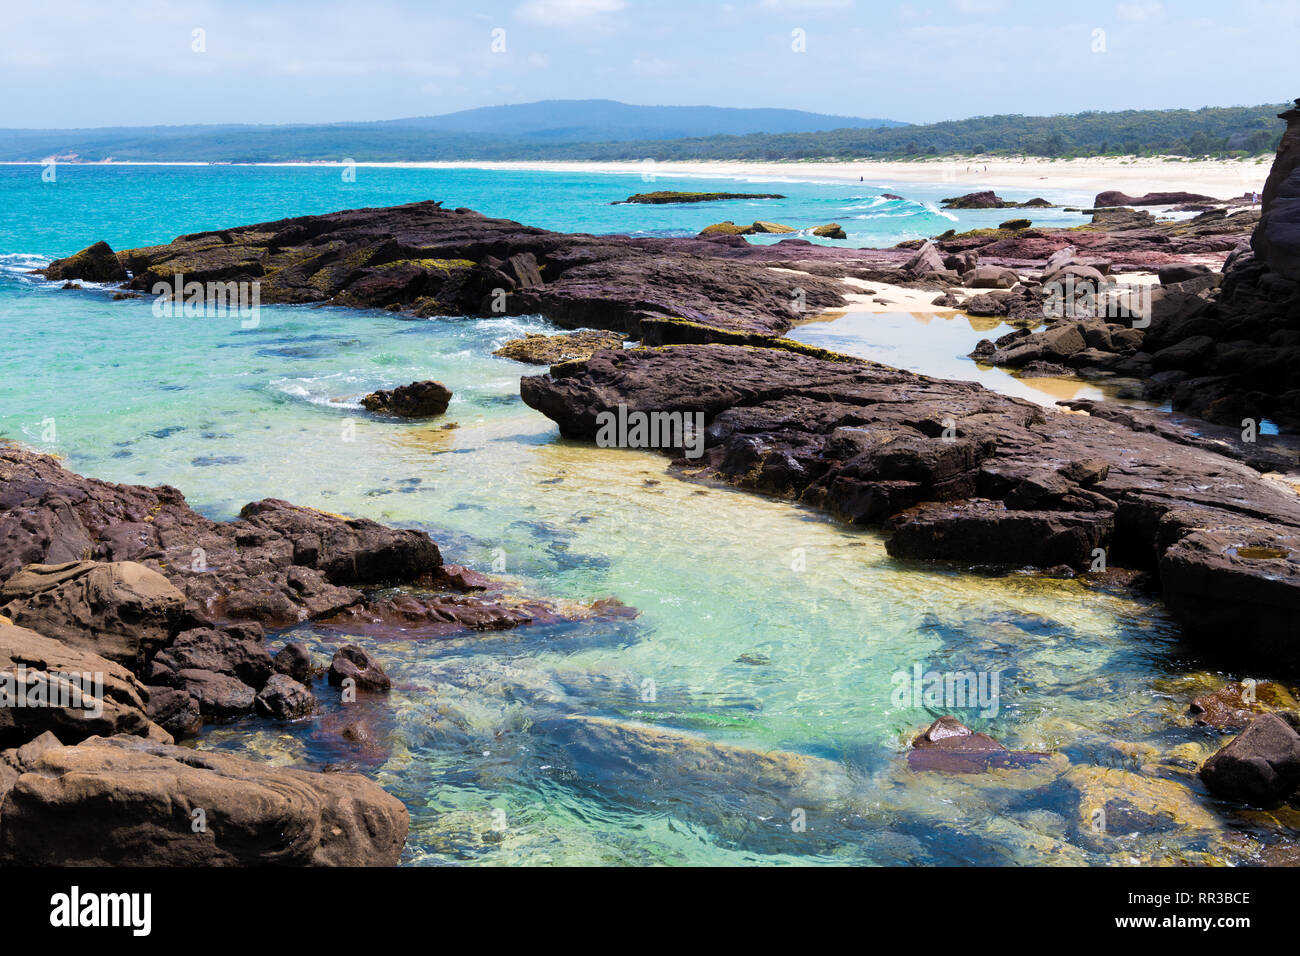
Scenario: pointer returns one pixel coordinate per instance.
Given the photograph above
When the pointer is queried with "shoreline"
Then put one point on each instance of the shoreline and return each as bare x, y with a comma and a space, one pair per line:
1223, 179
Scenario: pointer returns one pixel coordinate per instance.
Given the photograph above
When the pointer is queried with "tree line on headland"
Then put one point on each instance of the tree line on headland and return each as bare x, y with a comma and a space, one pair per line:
1211, 131
1219, 132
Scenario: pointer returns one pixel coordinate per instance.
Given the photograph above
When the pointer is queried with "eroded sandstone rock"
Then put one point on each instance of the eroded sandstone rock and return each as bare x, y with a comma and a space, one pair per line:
121, 800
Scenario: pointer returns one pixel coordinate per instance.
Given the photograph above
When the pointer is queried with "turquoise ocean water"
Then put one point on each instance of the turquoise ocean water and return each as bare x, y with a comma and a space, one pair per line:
762, 626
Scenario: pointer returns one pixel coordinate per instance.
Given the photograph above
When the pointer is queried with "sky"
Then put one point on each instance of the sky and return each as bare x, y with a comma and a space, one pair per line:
164, 62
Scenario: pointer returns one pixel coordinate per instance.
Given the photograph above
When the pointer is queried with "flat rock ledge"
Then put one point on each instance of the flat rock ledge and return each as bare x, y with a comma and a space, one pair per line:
121, 800
956, 472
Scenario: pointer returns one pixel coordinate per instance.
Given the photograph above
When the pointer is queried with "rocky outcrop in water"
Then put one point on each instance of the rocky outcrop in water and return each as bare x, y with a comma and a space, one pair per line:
1115, 197
96, 263
426, 260
418, 400
956, 472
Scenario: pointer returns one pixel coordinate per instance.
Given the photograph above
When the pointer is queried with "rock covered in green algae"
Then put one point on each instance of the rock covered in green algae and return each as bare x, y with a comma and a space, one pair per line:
537, 349
95, 263
832, 230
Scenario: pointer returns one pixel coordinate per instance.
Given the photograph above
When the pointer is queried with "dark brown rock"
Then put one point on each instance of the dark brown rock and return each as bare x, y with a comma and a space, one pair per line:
96, 263
959, 473
175, 711
278, 564
949, 746
417, 400
284, 698
1261, 766
353, 663
295, 661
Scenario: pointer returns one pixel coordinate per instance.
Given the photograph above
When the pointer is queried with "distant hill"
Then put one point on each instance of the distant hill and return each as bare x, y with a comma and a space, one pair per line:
606, 130
574, 121
470, 133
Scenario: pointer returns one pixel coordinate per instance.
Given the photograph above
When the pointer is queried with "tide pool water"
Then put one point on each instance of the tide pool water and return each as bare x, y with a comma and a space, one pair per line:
763, 626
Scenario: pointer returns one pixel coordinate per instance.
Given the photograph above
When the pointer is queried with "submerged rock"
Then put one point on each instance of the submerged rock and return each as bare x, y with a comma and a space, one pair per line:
121, 800
949, 746
1235, 705
1114, 804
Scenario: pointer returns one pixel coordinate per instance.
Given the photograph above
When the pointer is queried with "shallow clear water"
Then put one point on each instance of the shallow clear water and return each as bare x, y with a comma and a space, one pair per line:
762, 625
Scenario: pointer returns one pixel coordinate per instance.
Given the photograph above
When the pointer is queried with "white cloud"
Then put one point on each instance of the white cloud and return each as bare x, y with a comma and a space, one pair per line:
1140, 11
805, 6
980, 6
566, 11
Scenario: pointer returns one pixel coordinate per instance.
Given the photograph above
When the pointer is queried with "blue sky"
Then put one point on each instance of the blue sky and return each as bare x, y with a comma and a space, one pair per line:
135, 62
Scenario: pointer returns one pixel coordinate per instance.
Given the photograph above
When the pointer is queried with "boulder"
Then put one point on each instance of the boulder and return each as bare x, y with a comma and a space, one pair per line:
991, 277
1180, 272
927, 259
986, 199
231, 652
220, 696
354, 663
175, 710
121, 610
96, 263
1015, 224
830, 231
727, 228
295, 661
417, 400
1261, 766
120, 800
284, 698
